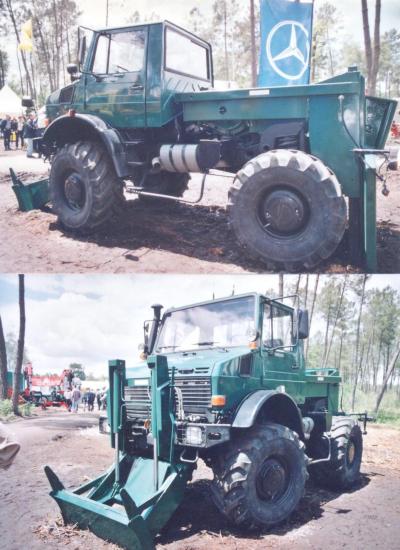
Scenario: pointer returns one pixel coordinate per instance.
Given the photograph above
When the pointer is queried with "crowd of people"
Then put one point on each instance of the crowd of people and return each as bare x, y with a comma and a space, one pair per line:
21, 131
85, 397
74, 395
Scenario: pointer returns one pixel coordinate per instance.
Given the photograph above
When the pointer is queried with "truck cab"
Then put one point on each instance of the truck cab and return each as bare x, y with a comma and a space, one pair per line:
129, 75
230, 359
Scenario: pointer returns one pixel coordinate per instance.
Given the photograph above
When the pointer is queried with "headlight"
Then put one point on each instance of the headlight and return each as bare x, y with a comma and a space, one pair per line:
194, 435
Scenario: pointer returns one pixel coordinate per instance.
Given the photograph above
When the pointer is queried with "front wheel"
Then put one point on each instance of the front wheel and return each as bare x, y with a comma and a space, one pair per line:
260, 478
84, 188
286, 209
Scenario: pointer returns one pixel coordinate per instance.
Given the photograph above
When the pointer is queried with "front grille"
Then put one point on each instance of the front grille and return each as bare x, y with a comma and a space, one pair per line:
196, 396
137, 402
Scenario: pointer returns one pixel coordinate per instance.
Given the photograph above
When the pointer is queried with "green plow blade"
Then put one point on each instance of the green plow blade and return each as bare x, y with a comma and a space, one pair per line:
129, 513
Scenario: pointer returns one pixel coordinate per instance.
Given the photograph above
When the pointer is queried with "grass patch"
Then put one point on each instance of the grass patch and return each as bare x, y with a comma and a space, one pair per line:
389, 410
6, 410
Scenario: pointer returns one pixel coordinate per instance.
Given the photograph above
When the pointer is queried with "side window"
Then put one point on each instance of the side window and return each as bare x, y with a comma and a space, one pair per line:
100, 61
185, 56
277, 327
122, 52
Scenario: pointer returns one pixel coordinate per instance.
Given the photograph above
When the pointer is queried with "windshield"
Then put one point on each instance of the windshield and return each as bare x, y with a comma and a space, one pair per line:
217, 324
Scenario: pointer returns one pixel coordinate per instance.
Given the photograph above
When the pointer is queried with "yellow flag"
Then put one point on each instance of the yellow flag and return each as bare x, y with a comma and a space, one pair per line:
26, 43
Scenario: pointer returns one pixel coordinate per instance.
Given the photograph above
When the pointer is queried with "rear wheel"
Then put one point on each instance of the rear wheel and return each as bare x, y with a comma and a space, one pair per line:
84, 188
286, 208
343, 470
260, 479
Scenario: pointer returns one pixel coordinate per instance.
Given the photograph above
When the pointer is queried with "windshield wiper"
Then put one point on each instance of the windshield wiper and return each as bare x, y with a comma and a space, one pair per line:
167, 347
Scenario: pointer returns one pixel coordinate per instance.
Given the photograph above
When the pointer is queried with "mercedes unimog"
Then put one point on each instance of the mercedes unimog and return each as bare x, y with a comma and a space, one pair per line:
225, 381
142, 110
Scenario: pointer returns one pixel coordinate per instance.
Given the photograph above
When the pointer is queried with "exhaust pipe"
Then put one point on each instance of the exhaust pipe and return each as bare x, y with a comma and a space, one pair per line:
154, 327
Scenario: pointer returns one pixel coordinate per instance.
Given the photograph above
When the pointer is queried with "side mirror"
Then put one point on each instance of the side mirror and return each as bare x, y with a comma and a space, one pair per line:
303, 324
27, 102
82, 50
72, 68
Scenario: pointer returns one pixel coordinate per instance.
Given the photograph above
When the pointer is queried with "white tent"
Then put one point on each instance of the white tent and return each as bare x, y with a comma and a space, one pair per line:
10, 102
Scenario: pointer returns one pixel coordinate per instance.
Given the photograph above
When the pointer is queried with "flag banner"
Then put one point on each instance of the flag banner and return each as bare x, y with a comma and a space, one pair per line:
286, 39
26, 43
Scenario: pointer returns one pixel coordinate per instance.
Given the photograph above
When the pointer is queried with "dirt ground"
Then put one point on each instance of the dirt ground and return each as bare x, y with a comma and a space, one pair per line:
175, 238
365, 518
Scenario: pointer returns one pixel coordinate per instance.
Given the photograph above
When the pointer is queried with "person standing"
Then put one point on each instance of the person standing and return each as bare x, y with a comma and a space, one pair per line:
98, 399
29, 134
20, 132
90, 400
6, 129
67, 396
75, 398
14, 129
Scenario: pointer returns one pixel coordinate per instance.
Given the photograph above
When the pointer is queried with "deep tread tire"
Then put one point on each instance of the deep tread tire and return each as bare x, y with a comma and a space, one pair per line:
234, 488
339, 473
103, 190
319, 190
165, 183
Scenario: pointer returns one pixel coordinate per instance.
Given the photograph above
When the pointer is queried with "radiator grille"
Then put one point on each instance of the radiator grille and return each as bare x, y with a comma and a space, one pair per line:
196, 396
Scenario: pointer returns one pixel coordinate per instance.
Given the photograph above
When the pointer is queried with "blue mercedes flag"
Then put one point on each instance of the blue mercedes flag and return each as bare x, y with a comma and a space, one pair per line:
286, 38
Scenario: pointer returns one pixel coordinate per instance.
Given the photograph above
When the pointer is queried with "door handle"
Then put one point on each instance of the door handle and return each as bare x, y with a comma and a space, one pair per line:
136, 87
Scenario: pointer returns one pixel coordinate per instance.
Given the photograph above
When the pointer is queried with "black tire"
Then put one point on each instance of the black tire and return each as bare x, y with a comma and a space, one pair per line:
84, 188
286, 209
343, 470
165, 183
243, 477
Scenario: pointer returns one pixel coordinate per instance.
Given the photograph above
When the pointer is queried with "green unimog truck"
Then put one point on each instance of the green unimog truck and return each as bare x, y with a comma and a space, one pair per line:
142, 109
226, 382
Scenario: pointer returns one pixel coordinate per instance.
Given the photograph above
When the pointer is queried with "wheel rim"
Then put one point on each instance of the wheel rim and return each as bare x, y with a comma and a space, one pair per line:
351, 452
74, 191
283, 212
272, 480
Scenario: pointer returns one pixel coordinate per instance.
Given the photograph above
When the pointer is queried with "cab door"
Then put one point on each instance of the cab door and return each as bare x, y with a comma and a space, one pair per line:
115, 87
279, 349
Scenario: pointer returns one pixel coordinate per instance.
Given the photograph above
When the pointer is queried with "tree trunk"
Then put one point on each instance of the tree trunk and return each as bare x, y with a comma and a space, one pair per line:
386, 379
372, 54
14, 23
312, 310
21, 344
359, 322
367, 39
377, 47
3, 364
226, 41
356, 377
253, 45
338, 310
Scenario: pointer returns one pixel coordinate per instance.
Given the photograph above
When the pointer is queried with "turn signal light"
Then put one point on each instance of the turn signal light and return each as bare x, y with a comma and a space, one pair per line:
218, 400
253, 345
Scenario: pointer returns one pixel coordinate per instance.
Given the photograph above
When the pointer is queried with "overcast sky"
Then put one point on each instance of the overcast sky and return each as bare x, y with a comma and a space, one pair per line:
94, 15
93, 11
90, 319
